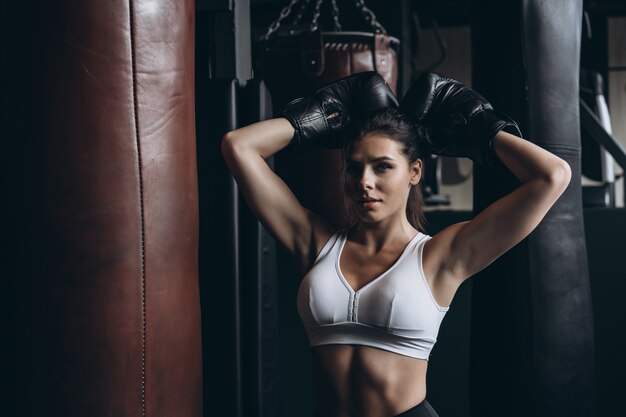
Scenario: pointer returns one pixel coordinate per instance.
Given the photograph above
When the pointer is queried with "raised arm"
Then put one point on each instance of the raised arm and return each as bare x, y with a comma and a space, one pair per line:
475, 244
456, 121
308, 123
267, 195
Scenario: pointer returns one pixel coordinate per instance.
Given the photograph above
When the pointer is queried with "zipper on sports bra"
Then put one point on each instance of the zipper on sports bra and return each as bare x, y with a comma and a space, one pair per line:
353, 307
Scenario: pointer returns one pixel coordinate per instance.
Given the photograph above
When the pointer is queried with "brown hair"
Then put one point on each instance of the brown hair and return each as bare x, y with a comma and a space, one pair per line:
392, 123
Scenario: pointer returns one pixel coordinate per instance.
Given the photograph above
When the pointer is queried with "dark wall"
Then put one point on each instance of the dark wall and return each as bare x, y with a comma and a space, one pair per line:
21, 223
605, 230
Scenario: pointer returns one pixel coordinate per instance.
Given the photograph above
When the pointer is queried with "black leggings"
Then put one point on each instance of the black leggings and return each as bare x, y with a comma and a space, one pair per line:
423, 409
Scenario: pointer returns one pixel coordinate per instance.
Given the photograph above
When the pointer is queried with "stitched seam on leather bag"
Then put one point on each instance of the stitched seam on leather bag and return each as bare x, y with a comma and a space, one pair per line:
141, 210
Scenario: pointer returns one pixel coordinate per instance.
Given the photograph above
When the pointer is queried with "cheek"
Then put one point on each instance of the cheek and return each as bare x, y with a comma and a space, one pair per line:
396, 181
397, 191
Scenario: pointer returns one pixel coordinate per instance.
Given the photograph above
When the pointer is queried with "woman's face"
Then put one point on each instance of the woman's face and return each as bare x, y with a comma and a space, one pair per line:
379, 177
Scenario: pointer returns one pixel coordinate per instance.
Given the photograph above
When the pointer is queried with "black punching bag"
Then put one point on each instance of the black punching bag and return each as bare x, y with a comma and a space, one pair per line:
532, 349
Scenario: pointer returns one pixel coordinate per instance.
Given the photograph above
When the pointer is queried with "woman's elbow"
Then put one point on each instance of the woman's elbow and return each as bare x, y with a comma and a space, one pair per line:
228, 148
561, 174
228, 142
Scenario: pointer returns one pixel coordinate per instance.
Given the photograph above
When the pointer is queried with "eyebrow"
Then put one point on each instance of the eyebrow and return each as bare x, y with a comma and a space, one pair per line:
378, 159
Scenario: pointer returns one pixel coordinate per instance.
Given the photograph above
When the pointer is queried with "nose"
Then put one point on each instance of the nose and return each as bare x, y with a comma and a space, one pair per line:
366, 179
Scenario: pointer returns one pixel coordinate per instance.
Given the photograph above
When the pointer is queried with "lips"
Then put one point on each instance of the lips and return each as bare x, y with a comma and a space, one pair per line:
369, 202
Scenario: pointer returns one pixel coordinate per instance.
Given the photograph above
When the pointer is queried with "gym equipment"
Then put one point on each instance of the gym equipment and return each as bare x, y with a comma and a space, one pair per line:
121, 307
532, 318
295, 59
600, 151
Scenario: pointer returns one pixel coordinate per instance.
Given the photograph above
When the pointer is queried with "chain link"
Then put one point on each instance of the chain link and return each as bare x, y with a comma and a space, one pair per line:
316, 15
335, 11
283, 14
370, 17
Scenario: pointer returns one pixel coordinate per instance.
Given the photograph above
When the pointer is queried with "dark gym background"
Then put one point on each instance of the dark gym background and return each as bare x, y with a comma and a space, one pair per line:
255, 357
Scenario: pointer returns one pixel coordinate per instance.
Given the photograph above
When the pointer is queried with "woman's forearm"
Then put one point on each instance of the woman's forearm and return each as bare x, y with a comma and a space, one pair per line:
527, 160
264, 138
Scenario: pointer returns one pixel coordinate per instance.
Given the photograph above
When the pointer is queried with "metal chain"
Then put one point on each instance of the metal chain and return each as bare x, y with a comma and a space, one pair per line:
316, 15
283, 14
301, 11
335, 11
370, 17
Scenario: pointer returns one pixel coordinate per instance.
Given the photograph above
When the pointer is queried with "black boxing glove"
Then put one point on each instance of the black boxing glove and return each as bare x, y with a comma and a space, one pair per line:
320, 119
453, 119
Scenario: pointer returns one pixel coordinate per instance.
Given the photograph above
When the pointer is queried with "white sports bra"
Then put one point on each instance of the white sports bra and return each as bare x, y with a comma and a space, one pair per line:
395, 312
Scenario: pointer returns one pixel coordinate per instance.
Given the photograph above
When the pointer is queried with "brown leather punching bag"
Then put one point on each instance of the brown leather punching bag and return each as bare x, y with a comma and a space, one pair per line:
120, 207
294, 60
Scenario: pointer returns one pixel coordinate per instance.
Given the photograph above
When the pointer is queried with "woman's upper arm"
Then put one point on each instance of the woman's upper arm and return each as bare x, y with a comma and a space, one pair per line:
468, 247
272, 202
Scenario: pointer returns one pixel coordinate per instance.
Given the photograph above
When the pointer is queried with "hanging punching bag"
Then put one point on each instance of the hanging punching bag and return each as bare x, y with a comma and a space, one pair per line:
532, 350
120, 207
294, 60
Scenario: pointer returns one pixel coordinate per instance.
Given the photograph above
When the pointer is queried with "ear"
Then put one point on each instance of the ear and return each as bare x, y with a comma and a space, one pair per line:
416, 172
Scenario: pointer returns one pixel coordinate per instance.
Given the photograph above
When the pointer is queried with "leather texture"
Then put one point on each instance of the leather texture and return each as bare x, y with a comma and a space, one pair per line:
121, 210
563, 339
453, 119
320, 120
310, 60
526, 60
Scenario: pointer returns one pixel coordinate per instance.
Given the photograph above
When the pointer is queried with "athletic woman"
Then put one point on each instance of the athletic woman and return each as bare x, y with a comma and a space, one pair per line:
373, 294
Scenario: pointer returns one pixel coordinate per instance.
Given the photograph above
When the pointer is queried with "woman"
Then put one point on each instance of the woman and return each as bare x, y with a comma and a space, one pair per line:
374, 294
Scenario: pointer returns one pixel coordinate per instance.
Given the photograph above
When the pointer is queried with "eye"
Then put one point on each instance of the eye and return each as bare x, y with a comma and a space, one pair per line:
383, 167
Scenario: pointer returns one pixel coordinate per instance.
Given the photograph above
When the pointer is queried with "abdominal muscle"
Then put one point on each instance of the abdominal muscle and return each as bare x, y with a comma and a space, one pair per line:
363, 381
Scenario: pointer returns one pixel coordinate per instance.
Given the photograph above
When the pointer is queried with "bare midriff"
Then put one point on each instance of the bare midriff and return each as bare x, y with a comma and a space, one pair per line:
363, 381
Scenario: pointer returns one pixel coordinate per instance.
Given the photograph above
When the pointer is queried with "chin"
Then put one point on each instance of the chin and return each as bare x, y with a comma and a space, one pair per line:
369, 217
